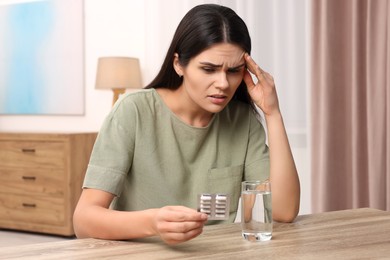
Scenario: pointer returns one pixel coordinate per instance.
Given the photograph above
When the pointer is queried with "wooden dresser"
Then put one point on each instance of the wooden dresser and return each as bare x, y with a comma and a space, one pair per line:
40, 180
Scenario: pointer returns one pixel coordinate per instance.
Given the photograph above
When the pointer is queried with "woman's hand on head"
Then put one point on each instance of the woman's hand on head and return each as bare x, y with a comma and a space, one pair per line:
177, 224
263, 93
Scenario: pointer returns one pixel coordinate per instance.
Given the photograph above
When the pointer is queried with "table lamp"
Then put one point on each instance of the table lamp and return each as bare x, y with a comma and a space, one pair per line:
118, 74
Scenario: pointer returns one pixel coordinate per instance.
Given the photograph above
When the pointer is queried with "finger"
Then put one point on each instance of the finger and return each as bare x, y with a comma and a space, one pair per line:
260, 74
179, 232
181, 214
268, 77
253, 67
180, 227
248, 81
175, 238
182, 208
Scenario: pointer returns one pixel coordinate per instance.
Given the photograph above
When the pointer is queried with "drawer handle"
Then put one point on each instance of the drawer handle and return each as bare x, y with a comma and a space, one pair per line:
28, 150
29, 205
29, 178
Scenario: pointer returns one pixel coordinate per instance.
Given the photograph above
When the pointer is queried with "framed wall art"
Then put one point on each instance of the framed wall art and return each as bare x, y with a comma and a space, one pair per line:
42, 58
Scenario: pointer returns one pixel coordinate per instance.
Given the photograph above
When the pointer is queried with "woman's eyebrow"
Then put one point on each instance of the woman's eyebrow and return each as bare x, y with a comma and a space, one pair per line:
237, 67
211, 64
220, 65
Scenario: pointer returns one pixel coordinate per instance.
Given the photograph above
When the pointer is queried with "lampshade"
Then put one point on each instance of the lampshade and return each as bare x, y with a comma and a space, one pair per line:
118, 73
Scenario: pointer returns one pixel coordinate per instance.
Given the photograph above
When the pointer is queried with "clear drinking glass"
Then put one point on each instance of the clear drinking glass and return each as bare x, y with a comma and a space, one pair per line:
256, 210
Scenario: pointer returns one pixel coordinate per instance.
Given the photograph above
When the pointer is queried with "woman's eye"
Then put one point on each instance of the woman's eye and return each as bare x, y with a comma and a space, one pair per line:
232, 71
208, 69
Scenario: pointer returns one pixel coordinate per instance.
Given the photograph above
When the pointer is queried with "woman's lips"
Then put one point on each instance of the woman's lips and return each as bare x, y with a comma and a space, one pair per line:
217, 99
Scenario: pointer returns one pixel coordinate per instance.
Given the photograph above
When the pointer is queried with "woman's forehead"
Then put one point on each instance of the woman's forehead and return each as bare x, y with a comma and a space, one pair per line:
226, 54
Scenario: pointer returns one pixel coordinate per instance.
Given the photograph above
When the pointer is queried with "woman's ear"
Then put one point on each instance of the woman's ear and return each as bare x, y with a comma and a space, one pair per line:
176, 65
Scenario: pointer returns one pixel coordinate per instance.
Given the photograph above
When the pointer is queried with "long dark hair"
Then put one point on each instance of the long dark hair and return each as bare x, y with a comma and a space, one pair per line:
202, 27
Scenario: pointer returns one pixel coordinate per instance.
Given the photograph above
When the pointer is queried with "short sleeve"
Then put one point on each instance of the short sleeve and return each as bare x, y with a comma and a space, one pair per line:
112, 154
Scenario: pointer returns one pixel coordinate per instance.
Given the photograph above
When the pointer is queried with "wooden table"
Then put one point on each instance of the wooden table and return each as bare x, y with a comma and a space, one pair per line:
348, 234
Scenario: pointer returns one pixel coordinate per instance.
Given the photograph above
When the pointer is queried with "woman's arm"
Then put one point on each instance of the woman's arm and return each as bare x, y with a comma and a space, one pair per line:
283, 173
93, 218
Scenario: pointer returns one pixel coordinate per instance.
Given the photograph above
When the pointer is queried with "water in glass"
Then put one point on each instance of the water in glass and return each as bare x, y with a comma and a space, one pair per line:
256, 215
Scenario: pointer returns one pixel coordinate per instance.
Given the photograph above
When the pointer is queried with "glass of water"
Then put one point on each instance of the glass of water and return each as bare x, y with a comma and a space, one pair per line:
256, 210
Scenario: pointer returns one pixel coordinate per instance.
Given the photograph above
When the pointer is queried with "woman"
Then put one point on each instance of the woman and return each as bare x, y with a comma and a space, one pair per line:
193, 130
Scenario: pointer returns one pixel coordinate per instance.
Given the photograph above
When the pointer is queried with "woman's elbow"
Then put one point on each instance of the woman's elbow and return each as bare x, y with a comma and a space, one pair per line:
286, 215
284, 218
79, 224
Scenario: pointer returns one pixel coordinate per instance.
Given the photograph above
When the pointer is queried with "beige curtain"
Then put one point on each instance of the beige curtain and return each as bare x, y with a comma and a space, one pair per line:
350, 101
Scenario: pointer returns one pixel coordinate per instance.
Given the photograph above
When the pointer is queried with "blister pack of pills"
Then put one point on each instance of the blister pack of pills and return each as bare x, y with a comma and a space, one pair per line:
216, 206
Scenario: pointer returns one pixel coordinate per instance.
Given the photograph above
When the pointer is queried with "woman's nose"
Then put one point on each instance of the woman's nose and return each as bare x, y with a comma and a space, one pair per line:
221, 81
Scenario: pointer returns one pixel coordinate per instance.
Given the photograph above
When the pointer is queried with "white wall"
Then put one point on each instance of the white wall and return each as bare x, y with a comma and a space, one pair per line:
144, 29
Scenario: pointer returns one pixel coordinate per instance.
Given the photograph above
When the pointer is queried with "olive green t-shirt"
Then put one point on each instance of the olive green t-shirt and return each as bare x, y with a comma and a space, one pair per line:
149, 158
